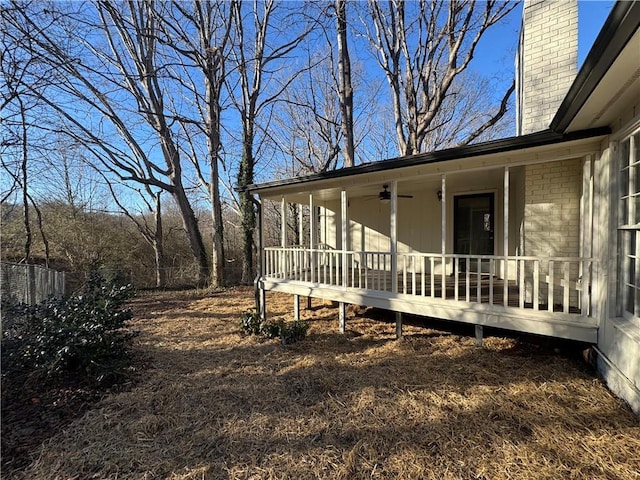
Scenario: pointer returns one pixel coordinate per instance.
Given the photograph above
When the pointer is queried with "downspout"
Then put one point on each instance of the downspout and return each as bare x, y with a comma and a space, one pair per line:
256, 281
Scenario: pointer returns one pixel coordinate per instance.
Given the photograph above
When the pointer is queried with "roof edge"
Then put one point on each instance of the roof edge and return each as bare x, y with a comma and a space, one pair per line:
618, 28
545, 137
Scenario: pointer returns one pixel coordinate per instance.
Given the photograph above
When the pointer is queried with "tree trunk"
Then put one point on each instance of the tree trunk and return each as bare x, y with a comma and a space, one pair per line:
158, 246
190, 224
346, 88
25, 192
245, 177
215, 72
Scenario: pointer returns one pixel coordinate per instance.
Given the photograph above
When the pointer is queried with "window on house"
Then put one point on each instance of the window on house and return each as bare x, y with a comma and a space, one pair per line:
629, 227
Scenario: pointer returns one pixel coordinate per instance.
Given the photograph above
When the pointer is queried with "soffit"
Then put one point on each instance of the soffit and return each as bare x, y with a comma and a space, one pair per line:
616, 92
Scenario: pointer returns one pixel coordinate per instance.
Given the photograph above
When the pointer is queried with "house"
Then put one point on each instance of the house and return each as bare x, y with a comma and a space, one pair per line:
536, 233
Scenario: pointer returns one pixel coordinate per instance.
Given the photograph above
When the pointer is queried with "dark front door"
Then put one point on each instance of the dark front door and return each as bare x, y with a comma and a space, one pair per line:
473, 222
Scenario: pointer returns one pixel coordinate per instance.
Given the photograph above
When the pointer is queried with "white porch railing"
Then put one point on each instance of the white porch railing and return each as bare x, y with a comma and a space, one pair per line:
554, 284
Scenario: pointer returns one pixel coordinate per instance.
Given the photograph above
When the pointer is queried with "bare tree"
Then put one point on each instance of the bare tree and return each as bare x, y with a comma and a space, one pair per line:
199, 35
151, 231
345, 91
109, 92
423, 48
256, 57
17, 73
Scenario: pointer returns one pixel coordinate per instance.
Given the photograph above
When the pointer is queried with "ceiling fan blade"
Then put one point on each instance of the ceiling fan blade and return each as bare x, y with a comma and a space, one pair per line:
405, 196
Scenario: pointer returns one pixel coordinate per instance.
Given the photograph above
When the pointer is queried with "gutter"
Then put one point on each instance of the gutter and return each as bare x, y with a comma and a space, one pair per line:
537, 139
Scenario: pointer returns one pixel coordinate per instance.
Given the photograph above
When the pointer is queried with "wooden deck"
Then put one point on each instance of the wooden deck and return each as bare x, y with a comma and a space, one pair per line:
544, 295
487, 290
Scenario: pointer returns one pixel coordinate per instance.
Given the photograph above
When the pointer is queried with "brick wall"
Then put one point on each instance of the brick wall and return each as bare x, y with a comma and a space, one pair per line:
551, 225
547, 61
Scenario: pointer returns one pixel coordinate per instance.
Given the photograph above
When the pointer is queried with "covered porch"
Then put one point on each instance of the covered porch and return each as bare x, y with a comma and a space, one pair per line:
503, 240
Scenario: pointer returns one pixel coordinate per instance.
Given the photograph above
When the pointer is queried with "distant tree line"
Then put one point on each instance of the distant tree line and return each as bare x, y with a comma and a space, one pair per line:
154, 111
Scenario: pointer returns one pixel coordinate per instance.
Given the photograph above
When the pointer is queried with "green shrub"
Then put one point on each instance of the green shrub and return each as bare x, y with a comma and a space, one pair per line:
84, 334
288, 332
251, 322
291, 332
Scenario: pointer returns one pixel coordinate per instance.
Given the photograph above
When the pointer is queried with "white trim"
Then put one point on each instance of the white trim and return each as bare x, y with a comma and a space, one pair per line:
505, 233
344, 227
393, 235
539, 322
283, 220
627, 130
313, 233
617, 382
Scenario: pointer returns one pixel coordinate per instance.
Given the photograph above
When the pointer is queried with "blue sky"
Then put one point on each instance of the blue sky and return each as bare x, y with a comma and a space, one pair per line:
496, 51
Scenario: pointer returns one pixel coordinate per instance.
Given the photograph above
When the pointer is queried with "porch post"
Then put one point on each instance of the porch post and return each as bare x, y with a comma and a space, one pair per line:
586, 239
283, 236
505, 238
300, 225
393, 235
393, 238
345, 239
344, 211
443, 188
283, 227
313, 229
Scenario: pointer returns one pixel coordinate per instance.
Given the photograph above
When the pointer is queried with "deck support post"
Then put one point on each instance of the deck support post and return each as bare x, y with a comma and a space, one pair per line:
263, 303
479, 335
308, 303
342, 316
296, 307
398, 324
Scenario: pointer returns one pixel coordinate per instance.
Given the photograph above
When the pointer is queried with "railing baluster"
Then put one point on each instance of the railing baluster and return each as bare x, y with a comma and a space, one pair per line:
505, 283
443, 280
467, 279
413, 274
366, 270
585, 286
521, 265
479, 279
432, 277
423, 266
536, 284
550, 286
565, 297
455, 278
491, 270
404, 274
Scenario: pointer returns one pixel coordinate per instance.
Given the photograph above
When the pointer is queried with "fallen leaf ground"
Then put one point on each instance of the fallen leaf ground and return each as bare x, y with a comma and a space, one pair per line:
213, 403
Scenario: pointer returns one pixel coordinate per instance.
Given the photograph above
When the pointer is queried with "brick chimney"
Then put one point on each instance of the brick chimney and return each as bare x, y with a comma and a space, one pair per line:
546, 62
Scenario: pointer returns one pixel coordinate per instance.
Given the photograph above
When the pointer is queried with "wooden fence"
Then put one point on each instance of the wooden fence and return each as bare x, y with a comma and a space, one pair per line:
30, 283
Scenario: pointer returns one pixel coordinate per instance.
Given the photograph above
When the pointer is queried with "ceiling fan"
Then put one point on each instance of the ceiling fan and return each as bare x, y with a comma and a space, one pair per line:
385, 194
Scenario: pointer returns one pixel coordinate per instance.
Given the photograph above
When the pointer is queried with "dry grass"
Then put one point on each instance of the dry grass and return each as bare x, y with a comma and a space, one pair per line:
216, 404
